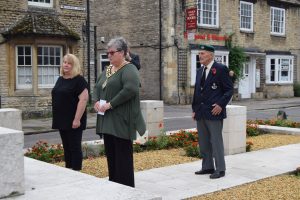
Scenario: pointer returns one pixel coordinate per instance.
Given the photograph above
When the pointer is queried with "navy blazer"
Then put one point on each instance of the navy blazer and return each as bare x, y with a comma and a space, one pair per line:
218, 89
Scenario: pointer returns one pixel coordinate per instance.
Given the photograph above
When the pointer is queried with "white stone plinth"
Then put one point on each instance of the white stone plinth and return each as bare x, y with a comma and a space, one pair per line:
11, 118
11, 162
234, 130
153, 113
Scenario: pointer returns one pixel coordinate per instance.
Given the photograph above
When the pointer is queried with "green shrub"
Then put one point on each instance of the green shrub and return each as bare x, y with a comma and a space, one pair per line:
163, 142
248, 146
297, 172
44, 152
137, 148
297, 89
192, 150
177, 140
252, 130
151, 143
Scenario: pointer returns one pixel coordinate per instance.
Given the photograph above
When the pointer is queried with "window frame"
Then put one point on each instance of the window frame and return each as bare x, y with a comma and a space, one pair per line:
251, 20
272, 27
103, 60
40, 85
277, 69
223, 55
41, 4
23, 86
200, 14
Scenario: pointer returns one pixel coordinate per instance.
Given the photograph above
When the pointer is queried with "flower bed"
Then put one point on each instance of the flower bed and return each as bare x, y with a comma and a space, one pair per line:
276, 122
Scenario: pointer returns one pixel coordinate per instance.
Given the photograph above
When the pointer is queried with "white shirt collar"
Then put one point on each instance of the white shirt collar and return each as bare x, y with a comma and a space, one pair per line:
209, 65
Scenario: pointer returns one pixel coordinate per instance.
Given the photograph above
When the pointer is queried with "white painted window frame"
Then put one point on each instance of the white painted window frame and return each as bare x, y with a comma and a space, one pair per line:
277, 77
103, 60
41, 4
200, 14
41, 85
23, 86
225, 60
282, 23
251, 20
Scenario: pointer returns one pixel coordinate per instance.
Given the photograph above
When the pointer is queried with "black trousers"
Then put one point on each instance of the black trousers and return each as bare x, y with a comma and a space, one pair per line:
119, 154
71, 140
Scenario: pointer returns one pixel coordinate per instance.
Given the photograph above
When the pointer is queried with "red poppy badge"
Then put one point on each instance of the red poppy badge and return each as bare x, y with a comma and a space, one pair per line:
214, 71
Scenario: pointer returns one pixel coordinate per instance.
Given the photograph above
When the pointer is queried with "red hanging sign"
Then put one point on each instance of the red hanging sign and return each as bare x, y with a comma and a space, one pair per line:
191, 18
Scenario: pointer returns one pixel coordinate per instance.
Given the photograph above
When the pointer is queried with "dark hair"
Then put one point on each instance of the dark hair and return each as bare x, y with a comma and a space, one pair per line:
119, 43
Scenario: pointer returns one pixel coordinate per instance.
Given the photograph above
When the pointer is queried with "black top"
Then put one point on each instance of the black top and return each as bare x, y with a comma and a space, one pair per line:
64, 102
135, 59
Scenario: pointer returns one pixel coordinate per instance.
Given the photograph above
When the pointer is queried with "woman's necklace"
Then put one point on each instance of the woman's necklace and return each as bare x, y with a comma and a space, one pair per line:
109, 72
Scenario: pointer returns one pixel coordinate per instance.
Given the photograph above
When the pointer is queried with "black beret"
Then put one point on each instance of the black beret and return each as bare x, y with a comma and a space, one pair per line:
206, 47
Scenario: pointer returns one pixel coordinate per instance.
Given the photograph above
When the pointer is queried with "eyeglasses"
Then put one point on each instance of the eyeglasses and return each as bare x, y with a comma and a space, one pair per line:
112, 52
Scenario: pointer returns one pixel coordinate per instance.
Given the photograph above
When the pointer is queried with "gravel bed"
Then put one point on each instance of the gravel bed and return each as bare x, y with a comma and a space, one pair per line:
279, 187
283, 187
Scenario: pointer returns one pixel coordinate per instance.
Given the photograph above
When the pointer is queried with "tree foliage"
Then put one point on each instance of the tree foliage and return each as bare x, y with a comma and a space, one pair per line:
237, 58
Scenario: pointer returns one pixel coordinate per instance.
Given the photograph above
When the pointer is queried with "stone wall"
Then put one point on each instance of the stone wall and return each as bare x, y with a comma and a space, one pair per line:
138, 22
35, 101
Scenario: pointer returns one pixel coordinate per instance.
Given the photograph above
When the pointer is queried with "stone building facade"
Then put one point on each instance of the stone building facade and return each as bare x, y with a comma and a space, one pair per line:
165, 34
158, 32
34, 36
268, 32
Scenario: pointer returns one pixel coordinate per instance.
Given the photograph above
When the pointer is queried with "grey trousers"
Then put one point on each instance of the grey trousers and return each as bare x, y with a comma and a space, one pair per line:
211, 144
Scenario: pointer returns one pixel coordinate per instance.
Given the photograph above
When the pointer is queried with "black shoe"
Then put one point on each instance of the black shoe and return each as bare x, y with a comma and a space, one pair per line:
205, 171
217, 175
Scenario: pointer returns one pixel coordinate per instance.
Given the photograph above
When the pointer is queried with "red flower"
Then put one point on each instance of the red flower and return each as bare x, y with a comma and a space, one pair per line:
214, 71
160, 125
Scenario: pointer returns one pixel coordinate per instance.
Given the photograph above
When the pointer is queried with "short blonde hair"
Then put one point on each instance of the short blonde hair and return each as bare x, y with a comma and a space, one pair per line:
76, 69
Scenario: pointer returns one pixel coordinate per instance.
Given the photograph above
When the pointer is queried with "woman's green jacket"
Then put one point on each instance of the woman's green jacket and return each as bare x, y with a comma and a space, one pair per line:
124, 119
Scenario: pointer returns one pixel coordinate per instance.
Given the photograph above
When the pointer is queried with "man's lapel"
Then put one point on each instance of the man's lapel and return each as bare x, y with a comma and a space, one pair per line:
209, 76
199, 75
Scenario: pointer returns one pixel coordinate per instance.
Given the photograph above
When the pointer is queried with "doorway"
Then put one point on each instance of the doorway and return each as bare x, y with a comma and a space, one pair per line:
247, 82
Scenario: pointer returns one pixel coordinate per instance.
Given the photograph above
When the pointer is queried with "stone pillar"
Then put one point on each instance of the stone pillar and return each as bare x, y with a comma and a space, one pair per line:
11, 118
153, 113
11, 162
234, 130
11, 153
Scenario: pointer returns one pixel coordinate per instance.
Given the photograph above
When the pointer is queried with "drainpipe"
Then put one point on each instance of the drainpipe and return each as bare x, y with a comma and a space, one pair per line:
95, 52
88, 46
0, 102
160, 50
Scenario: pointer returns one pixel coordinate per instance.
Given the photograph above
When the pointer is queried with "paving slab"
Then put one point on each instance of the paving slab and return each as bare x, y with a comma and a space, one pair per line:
180, 182
50, 182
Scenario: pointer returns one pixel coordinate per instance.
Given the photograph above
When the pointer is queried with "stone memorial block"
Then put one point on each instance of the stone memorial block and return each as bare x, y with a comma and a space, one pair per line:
11, 162
234, 130
153, 113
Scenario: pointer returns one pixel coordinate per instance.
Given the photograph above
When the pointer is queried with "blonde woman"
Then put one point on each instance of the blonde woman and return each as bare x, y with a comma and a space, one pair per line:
69, 99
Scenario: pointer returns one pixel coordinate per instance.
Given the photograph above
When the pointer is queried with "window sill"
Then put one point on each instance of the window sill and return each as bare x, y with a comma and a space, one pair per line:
209, 28
247, 32
44, 91
24, 93
280, 84
277, 35
41, 8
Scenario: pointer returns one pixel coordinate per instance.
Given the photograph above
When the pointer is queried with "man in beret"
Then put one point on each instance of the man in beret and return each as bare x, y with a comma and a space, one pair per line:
213, 91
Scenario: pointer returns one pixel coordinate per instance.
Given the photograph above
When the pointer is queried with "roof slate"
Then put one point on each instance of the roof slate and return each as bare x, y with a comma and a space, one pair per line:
43, 25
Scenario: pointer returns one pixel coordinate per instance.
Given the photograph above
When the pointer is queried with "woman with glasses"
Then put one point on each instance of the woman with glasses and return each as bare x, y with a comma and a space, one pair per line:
116, 99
